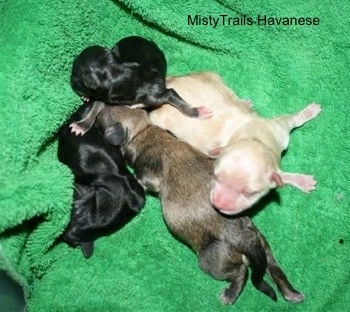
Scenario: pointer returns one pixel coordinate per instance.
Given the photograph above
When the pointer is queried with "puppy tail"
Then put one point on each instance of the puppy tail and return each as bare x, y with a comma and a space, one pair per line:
87, 249
258, 263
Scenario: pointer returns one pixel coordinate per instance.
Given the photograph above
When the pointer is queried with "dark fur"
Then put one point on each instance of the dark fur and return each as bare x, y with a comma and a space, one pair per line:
106, 195
132, 72
225, 246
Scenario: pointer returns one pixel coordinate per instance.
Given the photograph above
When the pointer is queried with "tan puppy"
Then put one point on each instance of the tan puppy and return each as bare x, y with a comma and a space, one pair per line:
248, 146
225, 246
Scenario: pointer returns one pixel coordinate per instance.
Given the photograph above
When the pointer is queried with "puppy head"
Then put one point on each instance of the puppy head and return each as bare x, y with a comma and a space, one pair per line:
244, 172
142, 51
120, 124
92, 72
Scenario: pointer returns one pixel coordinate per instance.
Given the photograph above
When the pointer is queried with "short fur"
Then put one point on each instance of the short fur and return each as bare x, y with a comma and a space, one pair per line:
106, 195
132, 72
225, 246
248, 146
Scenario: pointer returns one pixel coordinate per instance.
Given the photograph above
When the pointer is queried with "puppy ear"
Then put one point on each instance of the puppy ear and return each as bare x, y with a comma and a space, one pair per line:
80, 190
276, 178
115, 134
136, 194
116, 52
215, 152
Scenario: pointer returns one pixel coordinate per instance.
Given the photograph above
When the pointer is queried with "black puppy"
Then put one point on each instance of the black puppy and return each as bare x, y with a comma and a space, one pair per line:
132, 72
106, 195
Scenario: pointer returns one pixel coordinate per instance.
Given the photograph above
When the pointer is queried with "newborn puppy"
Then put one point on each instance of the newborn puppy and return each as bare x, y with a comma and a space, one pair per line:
132, 72
225, 247
248, 146
106, 195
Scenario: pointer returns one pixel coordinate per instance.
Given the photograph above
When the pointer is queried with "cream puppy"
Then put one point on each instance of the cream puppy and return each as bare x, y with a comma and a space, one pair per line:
248, 147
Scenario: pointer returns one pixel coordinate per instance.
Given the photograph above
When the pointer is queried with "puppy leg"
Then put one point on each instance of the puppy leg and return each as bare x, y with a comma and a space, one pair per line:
255, 254
296, 120
170, 96
216, 260
134, 194
238, 277
273, 269
304, 182
222, 261
84, 125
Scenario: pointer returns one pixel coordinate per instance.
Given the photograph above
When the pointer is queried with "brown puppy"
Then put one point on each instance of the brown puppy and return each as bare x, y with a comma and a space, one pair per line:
225, 246
248, 146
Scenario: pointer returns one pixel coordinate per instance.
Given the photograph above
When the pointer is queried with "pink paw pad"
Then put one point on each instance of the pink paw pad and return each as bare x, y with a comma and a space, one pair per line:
204, 112
75, 128
312, 110
294, 297
306, 183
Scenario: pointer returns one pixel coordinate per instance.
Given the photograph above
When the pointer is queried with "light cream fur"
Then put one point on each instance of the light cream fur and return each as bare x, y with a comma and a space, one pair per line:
204, 134
248, 146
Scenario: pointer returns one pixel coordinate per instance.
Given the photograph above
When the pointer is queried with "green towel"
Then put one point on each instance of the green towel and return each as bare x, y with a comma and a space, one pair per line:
281, 68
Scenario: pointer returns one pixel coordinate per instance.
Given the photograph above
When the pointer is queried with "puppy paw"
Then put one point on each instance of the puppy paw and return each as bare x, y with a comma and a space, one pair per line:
204, 112
294, 297
311, 111
76, 129
247, 103
306, 183
227, 297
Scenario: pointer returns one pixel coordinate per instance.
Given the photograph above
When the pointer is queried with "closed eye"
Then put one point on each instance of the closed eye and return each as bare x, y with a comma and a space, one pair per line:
250, 194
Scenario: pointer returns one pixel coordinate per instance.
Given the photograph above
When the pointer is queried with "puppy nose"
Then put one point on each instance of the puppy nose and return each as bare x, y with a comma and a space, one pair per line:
218, 200
222, 199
